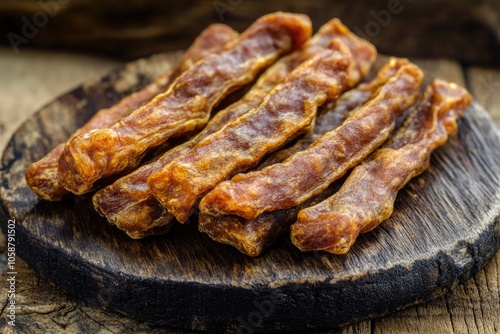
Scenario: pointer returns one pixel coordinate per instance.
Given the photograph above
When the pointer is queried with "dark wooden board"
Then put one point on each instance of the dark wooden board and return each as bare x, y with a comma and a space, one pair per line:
444, 229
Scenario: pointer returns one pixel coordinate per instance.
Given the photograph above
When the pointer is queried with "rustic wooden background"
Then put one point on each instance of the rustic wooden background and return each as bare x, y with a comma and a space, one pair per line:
468, 31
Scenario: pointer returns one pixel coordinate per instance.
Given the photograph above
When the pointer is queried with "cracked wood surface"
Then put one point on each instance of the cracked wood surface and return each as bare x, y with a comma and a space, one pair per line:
473, 307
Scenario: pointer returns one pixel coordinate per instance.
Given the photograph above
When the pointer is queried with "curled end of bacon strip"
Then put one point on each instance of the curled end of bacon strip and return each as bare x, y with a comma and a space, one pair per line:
333, 232
138, 218
79, 164
249, 237
43, 176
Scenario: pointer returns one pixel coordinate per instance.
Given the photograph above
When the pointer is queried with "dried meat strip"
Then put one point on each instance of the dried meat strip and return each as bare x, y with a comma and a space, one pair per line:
367, 197
128, 203
334, 113
309, 172
289, 109
186, 105
254, 236
363, 52
43, 176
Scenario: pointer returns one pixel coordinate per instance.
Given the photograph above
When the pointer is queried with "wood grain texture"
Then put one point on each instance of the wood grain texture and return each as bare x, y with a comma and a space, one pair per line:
92, 228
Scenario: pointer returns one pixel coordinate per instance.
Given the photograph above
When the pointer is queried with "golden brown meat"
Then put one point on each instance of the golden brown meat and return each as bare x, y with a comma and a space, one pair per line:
288, 110
367, 197
307, 173
363, 52
254, 236
128, 203
184, 107
43, 176
334, 113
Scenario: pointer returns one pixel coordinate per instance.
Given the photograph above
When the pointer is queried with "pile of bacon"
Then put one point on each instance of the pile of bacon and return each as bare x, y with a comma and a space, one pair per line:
272, 162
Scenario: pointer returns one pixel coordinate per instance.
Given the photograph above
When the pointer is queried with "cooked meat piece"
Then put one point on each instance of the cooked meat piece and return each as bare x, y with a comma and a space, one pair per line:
184, 107
288, 110
334, 113
254, 236
43, 176
309, 172
128, 203
367, 197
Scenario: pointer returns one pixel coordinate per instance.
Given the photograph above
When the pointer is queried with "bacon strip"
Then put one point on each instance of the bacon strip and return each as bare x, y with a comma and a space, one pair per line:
367, 197
254, 236
288, 110
184, 107
309, 172
129, 204
43, 176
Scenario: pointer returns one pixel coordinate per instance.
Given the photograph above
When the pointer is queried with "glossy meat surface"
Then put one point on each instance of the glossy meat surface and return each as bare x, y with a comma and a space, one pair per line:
367, 197
288, 110
334, 113
43, 176
128, 203
184, 107
253, 236
309, 172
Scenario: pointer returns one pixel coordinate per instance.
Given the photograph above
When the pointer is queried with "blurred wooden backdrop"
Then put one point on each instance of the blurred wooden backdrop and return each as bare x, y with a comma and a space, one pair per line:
466, 30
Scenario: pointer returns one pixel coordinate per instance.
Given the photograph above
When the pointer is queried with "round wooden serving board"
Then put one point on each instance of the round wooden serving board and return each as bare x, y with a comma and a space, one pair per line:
445, 228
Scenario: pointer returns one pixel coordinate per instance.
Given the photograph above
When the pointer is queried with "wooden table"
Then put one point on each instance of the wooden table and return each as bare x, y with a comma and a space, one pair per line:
30, 79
